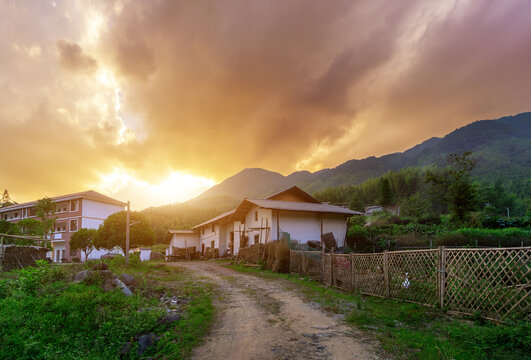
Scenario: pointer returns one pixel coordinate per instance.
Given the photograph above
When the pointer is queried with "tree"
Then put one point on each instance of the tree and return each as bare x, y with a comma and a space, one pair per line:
112, 232
45, 210
6, 200
386, 194
83, 240
415, 206
453, 186
30, 227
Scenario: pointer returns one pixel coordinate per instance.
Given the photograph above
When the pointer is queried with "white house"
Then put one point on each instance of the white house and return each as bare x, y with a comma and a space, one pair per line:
182, 239
291, 212
87, 209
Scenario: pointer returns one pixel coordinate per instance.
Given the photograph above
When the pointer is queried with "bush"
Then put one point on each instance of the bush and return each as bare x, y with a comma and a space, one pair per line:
511, 237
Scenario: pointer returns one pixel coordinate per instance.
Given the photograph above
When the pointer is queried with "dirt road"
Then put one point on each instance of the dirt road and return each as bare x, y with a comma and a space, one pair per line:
263, 319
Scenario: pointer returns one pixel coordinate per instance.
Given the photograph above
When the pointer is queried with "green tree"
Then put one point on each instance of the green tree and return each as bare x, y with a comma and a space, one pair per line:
415, 206
453, 186
386, 194
30, 227
45, 210
112, 232
83, 240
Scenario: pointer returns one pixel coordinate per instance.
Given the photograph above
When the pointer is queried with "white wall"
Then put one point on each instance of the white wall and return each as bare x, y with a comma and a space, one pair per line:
264, 220
97, 211
209, 236
336, 224
301, 226
182, 241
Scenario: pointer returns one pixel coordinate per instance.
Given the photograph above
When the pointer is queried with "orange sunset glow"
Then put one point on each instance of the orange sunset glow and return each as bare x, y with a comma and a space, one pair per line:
157, 101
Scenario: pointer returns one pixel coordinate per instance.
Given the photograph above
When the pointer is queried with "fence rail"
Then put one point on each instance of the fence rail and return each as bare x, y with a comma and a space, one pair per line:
494, 282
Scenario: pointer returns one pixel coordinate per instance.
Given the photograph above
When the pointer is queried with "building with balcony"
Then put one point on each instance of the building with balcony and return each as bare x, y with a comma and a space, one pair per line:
87, 209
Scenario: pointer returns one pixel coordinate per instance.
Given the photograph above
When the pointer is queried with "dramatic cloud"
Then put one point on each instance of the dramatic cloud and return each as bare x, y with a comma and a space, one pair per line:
72, 57
209, 87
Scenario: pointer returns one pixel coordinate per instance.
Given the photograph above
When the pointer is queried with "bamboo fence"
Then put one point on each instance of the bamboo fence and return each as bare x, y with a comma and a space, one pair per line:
494, 283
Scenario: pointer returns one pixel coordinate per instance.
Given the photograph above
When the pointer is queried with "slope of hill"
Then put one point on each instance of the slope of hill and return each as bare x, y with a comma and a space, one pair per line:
502, 147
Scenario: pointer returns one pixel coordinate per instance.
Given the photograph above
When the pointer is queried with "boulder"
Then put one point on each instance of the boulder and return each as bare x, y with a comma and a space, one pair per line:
127, 279
119, 284
169, 319
82, 275
145, 341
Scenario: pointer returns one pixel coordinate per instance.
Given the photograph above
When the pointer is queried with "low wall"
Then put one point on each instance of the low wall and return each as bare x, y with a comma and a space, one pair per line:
18, 257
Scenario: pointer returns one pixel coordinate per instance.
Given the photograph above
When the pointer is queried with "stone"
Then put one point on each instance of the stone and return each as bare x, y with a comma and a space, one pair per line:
169, 319
100, 266
125, 349
145, 341
127, 279
119, 284
82, 275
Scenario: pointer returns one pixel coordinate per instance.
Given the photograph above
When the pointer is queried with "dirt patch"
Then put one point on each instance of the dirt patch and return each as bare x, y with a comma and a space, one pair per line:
261, 319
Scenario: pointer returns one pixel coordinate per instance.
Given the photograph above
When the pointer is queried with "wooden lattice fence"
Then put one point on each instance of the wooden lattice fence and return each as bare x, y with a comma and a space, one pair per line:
494, 283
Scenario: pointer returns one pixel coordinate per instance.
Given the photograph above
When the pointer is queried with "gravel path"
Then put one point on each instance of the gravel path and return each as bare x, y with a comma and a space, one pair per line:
263, 319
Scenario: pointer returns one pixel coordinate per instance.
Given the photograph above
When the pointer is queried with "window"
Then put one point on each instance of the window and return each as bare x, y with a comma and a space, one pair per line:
203, 231
256, 216
213, 228
212, 244
73, 225
73, 205
32, 211
61, 207
256, 239
5, 216
60, 227
16, 215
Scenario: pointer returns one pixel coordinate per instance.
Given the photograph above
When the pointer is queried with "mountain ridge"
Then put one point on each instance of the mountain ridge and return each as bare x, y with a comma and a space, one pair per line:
481, 137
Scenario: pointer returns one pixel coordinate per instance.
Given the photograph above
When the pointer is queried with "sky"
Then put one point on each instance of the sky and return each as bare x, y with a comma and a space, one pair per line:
156, 101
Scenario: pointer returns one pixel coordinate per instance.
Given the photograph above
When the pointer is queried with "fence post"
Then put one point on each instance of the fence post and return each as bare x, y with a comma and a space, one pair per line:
332, 282
441, 271
322, 263
290, 260
351, 258
386, 273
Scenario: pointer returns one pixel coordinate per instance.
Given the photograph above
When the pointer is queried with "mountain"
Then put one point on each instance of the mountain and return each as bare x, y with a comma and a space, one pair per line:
502, 147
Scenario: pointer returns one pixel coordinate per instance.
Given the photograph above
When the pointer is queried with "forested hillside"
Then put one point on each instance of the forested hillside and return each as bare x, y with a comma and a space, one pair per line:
501, 149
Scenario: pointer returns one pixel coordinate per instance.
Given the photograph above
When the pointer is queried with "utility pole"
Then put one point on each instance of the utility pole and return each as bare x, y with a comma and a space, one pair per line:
127, 224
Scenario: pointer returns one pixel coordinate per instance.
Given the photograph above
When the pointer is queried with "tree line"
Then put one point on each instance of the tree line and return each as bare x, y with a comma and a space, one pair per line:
448, 188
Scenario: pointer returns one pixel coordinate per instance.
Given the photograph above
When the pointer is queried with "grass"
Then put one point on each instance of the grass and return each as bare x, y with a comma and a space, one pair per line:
412, 331
44, 315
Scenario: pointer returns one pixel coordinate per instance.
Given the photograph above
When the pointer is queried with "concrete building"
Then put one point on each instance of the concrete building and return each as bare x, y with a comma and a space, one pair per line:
87, 209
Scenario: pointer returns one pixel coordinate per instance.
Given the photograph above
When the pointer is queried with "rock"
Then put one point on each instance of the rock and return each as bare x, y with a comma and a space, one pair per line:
100, 266
145, 341
125, 349
127, 279
119, 284
157, 256
169, 319
82, 275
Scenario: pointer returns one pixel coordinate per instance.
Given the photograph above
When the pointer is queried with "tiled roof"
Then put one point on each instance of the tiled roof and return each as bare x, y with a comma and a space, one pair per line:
216, 219
90, 194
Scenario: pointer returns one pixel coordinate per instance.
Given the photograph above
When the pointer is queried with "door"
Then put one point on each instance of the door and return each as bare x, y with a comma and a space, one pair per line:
202, 249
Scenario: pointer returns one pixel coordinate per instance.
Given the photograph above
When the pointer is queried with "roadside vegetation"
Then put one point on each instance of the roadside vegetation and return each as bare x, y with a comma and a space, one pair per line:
412, 331
46, 315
